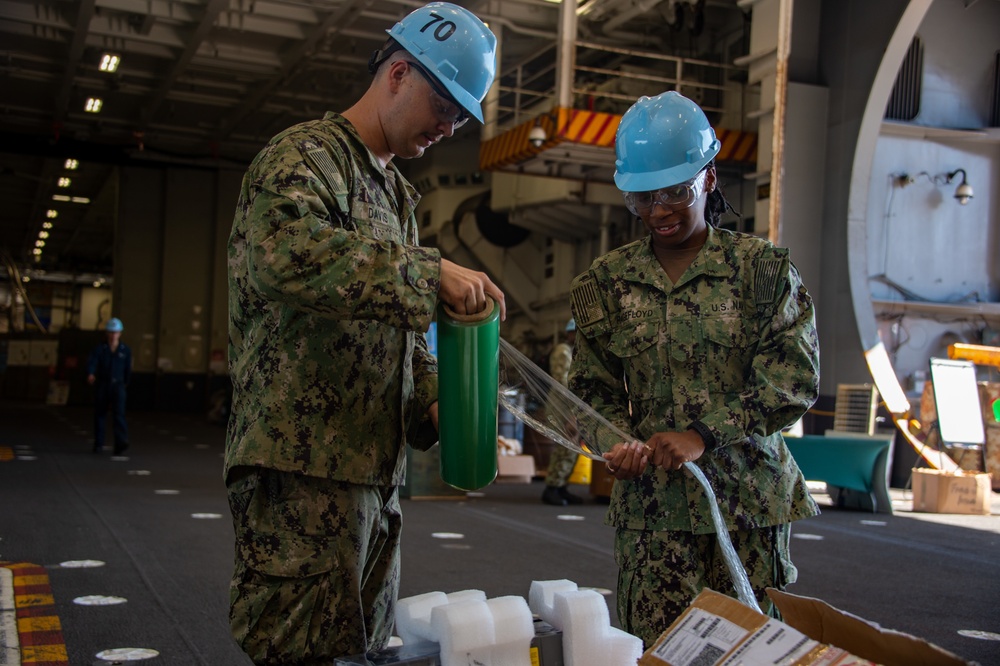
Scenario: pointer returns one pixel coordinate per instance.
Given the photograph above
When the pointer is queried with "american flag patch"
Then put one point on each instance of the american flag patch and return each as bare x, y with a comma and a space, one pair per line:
765, 285
320, 160
586, 303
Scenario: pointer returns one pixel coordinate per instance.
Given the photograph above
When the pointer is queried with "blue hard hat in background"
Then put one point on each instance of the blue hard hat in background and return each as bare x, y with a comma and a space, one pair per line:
455, 46
114, 326
571, 324
662, 141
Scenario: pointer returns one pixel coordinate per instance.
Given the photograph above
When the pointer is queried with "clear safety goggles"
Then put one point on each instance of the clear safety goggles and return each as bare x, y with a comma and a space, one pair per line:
675, 197
447, 110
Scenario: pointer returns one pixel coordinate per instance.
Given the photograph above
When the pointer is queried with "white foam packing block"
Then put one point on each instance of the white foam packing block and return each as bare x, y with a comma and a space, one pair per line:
465, 632
624, 648
583, 617
513, 630
413, 617
541, 596
466, 595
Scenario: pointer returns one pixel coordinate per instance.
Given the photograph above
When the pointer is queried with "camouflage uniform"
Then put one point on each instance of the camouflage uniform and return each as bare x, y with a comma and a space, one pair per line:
561, 460
328, 294
731, 350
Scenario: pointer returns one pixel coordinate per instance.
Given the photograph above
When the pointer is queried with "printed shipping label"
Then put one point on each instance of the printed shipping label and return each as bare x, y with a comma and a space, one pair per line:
774, 644
701, 639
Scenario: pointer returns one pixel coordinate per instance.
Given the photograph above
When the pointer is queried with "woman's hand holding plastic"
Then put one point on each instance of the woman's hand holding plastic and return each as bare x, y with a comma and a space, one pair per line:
670, 450
627, 461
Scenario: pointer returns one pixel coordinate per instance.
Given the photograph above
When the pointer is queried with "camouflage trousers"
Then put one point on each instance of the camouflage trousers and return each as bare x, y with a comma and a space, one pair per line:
561, 462
317, 566
660, 573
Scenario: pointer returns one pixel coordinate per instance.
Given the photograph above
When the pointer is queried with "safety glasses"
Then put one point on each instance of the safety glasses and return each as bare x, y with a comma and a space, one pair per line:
675, 197
446, 109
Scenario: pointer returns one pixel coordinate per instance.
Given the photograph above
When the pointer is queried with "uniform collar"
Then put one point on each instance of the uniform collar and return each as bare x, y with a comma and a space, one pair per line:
645, 268
390, 175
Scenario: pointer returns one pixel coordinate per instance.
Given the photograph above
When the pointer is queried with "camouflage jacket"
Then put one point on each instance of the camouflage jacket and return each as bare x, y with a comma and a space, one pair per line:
732, 344
328, 295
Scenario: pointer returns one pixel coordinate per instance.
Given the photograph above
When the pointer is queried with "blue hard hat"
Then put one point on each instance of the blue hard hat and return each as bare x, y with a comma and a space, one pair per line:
662, 141
455, 46
571, 324
114, 326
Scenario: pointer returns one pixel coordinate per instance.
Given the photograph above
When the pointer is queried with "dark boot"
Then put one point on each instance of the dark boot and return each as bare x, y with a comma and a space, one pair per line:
570, 497
553, 496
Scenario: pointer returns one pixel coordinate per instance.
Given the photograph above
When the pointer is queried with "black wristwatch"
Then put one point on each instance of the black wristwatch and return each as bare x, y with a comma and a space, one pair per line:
704, 432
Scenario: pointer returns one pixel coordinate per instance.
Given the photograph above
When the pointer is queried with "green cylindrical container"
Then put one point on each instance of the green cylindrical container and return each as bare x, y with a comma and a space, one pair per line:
468, 384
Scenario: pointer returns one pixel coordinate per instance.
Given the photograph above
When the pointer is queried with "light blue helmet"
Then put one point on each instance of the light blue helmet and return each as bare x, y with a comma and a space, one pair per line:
114, 326
571, 324
455, 46
662, 141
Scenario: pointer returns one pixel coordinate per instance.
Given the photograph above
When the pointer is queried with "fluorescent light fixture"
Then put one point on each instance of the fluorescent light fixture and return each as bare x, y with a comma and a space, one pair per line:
93, 105
71, 164
110, 62
60, 197
83, 200
52, 213
64, 182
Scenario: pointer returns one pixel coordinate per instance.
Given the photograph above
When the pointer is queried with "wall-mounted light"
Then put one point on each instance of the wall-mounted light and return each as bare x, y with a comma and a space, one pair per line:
964, 191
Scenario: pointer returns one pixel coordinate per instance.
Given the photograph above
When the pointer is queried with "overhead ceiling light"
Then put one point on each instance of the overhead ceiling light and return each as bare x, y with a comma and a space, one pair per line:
81, 200
60, 197
110, 62
93, 105
52, 213
39, 243
97, 284
46, 225
71, 164
64, 182
37, 252
43, 234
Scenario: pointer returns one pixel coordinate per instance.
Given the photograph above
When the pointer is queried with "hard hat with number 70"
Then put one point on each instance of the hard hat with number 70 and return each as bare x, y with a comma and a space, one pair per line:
662, 141
455, 46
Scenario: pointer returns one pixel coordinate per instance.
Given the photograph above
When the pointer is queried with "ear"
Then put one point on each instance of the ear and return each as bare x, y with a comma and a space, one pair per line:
397, 71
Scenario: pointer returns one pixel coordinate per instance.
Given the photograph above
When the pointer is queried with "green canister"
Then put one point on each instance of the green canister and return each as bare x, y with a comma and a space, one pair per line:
468, 388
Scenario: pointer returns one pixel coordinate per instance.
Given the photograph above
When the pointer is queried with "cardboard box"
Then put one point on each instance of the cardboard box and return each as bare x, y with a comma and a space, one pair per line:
935, 491
515, 469
601, 481
717, 630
